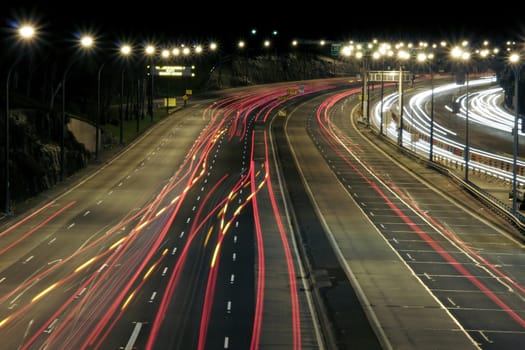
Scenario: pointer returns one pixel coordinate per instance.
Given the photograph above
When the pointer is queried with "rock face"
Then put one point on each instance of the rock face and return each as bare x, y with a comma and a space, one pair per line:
35, 157
238, 70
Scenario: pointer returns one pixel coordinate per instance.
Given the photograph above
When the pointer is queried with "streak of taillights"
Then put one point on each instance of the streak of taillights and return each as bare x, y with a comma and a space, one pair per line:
214, 266
172, 283
128, 300
26, 218
34, 229
292, 278
259, 297
67, 259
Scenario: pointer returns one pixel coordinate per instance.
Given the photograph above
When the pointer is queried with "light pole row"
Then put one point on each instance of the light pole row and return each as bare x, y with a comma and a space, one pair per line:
25, 33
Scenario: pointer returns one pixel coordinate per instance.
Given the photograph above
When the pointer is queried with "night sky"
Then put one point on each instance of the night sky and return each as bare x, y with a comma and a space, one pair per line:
189, 21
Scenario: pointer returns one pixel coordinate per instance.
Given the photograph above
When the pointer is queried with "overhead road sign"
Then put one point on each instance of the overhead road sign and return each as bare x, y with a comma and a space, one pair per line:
388, 75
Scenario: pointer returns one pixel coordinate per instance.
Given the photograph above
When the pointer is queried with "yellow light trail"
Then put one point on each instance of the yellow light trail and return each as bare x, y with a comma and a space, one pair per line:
4, 321
117, 243
160, 211
217, 247
150, 270
141, 226
84, 265
226, 227
44, 292
127, 300
238, 210
208, 236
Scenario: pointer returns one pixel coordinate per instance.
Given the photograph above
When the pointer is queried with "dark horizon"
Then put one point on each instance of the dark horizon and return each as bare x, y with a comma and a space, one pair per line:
188, 23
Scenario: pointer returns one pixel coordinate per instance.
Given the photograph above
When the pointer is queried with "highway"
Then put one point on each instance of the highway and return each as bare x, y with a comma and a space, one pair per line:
426, 256
261, 218
177, 242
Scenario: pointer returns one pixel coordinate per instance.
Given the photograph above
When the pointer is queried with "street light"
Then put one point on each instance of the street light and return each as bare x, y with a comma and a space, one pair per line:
86, 42
463, 55
427, 58
25, 33
363, 51
97, 120
402, 55
241, 45
150, 51
514, 59
165, 54
383, 50
125, 51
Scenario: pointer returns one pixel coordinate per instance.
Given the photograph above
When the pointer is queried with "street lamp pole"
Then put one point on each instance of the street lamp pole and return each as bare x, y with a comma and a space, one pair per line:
400, 126
166, 55
86, 42
428, 57
516, 135
467, 133
516, 68
150, 97
125, 51
365, 90
431, 149
402, 56
460, 53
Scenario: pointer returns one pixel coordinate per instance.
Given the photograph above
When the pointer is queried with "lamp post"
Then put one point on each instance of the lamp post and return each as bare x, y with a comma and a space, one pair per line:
186, 51
365, 93
125, 51
165, 54
383, 50
402, 55
382, 97
431, 148
86, 42
514, 59
150, 51
241, 45
459, 53
363, 51
25, 32
467, 131
427, 58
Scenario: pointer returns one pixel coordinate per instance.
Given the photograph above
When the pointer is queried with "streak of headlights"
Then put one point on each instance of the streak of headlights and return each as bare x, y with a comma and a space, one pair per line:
484, 109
